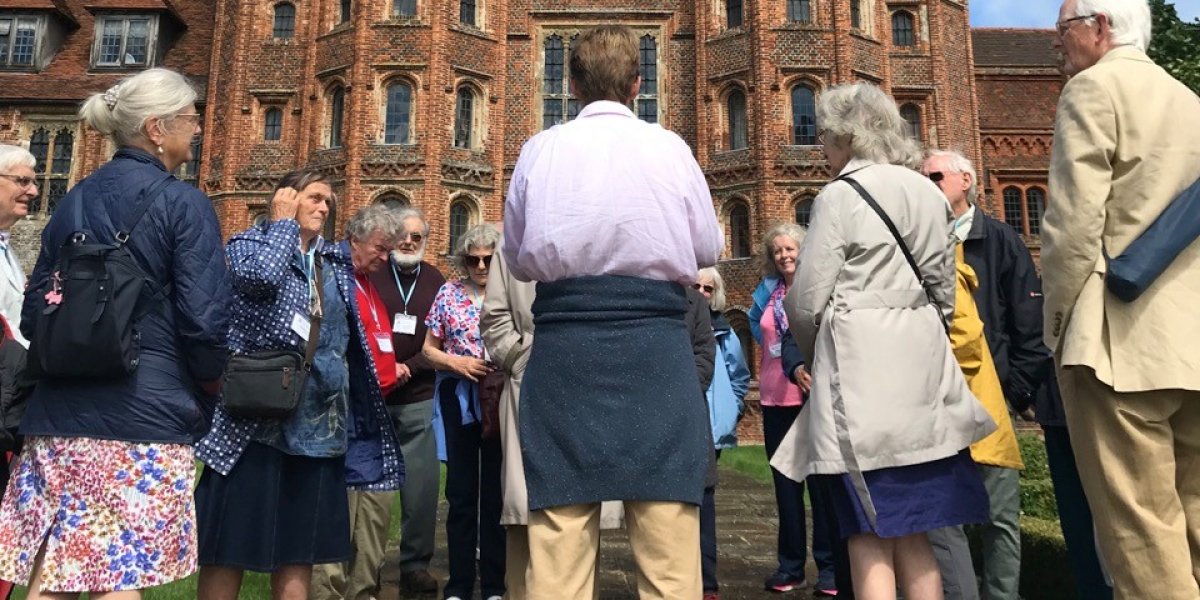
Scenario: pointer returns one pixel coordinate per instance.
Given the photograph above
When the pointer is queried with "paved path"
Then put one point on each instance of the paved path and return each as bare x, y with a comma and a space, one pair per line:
746, 547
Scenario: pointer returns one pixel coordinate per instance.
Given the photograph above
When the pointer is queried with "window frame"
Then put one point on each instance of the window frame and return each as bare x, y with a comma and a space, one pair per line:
735, 13
740, 243
345, 11
273, 132
902, 17
469, 206
810, 114
471, 8
1015, 200
465, 124
856, 15
1033, 222
735, 125
10, 45
337, 117
647, 97
152, 30
275, 17
799, 11
914, 129
408, 113
560, 98
50, 173
398, 14
805, 204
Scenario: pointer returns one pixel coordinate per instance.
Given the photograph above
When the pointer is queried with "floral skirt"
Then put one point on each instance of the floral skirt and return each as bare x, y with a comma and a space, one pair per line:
111, 515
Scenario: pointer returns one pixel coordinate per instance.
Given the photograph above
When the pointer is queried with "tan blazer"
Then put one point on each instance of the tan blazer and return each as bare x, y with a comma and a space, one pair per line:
887, 390
1126, 142
507, 328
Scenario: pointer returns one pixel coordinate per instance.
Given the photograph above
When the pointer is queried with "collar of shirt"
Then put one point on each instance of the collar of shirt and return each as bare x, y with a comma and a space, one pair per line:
605, 107
962, 225
856, 164
4, 237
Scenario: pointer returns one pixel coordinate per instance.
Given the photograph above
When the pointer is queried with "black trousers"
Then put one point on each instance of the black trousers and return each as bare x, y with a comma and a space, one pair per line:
473, 493
708, 538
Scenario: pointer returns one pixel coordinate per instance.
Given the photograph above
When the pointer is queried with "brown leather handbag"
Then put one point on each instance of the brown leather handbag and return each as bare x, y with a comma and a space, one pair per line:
491, 387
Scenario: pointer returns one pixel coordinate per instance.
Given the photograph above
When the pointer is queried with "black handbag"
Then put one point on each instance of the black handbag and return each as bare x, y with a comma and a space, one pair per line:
267, 384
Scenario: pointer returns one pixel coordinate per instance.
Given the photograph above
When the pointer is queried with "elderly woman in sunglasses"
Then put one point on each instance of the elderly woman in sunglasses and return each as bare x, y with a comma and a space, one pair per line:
455, 347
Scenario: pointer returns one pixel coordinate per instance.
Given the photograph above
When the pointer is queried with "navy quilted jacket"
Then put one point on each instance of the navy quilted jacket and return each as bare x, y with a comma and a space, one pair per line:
183, 339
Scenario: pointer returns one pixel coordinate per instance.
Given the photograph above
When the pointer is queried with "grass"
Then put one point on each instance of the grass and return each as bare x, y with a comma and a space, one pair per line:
748, 460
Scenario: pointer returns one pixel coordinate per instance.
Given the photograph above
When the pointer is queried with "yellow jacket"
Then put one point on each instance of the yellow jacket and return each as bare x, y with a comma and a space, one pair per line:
970, 348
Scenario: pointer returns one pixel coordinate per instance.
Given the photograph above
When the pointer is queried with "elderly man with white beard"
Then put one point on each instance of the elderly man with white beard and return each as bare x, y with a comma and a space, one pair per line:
407, 287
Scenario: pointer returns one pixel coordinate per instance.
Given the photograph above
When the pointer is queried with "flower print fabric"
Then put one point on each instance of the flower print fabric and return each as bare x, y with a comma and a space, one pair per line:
454, 319
114, 515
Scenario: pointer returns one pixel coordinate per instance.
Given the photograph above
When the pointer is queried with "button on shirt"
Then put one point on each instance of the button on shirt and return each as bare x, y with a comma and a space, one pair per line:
608, 194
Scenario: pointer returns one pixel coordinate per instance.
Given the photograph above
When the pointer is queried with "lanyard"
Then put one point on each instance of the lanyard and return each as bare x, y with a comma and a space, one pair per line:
406, 296
370, 303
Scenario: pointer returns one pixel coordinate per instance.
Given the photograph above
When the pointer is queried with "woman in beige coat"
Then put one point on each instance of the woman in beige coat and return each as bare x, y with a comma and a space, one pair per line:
507, 328
889, 414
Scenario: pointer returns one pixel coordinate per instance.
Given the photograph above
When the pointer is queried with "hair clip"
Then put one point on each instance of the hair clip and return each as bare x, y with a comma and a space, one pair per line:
110, 96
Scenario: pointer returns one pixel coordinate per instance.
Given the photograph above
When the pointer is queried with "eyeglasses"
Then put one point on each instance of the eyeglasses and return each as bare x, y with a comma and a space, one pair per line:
188, 116
1064, 25
705, 288
20, 180
822, 135
475, 261
415, 237
936, 176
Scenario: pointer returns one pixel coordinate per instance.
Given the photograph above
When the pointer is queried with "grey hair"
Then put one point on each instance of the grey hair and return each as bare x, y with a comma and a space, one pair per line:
15, 156
960, 164
484, 235
767, 262
1129, 20
122, 111
375, 218
411, 212
717, 302
866, 116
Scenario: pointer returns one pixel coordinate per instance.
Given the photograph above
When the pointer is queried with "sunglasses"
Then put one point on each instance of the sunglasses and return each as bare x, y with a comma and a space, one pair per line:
701, 287
937, 176
475, 261
415, 237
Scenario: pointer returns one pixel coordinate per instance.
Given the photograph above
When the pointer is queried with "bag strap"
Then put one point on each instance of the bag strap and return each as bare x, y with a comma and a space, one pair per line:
912, 263
149, 195
314, 324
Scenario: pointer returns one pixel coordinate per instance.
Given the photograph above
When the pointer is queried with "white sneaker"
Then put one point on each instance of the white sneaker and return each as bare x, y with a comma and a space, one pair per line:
453, 598
495, 598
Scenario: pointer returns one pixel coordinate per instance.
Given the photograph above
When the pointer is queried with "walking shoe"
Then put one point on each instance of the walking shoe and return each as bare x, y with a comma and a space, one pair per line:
495, 598
827, 592
712, 596
782, 582
418, 582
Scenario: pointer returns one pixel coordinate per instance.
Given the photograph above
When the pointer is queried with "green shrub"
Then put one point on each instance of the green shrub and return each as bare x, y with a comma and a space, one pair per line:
1045, 570
1033, 453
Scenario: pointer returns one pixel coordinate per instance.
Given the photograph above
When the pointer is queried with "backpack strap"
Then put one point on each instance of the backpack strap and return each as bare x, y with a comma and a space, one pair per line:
912, 263
147, 198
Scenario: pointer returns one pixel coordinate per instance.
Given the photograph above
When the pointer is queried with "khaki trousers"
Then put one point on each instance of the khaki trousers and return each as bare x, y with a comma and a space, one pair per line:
1139, 461
370, 515
564, 543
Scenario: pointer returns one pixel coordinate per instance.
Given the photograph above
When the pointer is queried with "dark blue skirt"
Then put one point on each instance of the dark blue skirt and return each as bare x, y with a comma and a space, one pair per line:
913, 499
273, 509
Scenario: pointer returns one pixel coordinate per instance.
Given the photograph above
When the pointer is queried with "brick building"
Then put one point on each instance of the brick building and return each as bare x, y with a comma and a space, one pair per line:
428, 102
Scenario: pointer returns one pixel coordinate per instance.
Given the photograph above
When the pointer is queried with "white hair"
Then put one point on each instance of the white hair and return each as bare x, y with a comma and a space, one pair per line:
484, 236
374, 218
958, 163
15, 156
717, 302
1129, 19
866, 116
122, 110
405, 213
766, 259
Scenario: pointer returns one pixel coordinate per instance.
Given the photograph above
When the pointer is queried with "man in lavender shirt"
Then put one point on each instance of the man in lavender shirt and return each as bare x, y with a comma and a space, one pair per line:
612, 217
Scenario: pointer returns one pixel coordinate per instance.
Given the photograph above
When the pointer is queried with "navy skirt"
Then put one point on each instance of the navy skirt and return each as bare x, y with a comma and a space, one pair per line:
913, 499
273, 509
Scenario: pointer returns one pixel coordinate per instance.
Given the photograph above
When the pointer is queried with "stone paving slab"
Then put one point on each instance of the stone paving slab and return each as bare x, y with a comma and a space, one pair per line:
745, 546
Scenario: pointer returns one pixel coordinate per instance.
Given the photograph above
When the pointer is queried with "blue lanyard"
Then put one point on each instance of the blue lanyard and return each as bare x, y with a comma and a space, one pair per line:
405, 296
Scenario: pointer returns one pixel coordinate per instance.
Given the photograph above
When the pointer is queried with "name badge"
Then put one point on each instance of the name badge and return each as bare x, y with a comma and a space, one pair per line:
405, 324
776, 349
301, 325
384, 340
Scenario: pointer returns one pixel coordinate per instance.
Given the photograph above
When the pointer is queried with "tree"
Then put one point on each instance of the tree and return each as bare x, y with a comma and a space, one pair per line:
1176, 44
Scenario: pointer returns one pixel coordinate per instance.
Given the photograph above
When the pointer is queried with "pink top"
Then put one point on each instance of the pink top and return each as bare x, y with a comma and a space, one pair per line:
774, 388
607, 194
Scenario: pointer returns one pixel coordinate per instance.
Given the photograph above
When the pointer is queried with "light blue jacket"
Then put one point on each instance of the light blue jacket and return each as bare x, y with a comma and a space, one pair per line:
731, 381
761, 295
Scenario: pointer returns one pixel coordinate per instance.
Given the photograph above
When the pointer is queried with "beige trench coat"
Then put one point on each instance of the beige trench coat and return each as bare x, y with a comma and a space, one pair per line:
887, 390
507, 329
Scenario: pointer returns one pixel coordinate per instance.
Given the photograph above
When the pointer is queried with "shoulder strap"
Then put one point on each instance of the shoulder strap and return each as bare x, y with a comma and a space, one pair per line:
912, 263
149, 195
314, 324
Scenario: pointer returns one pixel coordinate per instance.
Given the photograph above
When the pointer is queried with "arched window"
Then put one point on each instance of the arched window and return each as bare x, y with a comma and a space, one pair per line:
855, 14
1012, 208
554, 88
404, 8
735, 105
647, 98
285, 21
39, 147
804, 116
804, 211
464, 117
902, 29
398, 114
392, 200
460, 221
912, 121
1035, 204
739, 230
273, 125
345, 12
60, 169
733, 13
467, 12
799, 11
337, 113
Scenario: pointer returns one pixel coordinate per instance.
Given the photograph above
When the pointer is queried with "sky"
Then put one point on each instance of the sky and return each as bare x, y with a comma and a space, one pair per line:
1042, 13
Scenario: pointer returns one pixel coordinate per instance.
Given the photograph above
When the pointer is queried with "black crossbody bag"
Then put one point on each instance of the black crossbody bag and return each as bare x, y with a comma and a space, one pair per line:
912, 263
267, 384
